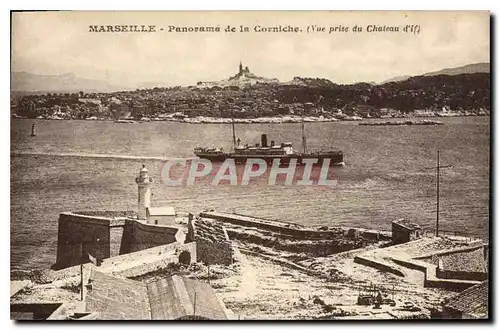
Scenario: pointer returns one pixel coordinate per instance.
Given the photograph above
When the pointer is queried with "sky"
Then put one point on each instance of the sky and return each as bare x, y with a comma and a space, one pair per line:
60, 43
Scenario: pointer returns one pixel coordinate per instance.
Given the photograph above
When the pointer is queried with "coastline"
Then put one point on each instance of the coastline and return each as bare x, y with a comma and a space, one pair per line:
272, 120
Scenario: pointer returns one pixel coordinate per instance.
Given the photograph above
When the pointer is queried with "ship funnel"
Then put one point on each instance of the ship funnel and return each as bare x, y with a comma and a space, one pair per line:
263, 140
272, 143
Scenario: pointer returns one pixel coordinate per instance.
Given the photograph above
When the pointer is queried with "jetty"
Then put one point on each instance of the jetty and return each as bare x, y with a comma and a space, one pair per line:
402, 123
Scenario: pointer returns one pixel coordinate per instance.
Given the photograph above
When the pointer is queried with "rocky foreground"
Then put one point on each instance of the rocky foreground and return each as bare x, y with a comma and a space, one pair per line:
274, 276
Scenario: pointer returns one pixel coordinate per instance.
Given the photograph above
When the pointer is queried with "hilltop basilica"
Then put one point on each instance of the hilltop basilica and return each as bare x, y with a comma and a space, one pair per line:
243, 77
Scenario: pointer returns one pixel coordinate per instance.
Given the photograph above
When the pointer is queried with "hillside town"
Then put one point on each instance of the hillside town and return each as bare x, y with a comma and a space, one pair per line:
247, 97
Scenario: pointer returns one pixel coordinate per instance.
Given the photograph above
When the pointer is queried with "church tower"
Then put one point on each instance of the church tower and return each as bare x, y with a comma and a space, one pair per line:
144, 183
241, 68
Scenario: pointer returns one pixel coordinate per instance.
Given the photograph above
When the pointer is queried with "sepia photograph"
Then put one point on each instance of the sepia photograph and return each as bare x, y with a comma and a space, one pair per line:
250, 165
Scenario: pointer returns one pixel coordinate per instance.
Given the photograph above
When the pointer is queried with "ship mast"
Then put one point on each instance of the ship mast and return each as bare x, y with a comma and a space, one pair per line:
234, 133
304, 143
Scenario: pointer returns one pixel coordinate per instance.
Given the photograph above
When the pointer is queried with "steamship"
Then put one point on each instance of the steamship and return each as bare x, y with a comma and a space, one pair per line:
269, 152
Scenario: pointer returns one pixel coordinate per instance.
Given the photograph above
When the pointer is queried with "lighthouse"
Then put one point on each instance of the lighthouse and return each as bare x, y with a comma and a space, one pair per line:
144, 183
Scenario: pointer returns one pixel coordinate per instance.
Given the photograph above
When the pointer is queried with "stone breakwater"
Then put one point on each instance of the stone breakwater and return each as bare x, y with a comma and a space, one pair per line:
315, 242
402, 123
295, 230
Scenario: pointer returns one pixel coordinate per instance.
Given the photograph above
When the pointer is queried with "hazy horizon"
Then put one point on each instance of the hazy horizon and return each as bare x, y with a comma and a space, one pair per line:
166, 84
56, 43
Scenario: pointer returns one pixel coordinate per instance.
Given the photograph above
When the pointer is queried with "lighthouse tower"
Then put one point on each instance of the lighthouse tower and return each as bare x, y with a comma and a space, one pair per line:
144, 183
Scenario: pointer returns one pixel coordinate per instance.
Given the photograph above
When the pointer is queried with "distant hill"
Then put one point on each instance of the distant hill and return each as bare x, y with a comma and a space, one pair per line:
311, 82
66, 83
395, 79
151, 85
243, 78
470, 68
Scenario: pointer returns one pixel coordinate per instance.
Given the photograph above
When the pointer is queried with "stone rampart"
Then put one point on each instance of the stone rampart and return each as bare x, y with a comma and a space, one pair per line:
79, 235
105, 234
139, 236
213, 245
297, 231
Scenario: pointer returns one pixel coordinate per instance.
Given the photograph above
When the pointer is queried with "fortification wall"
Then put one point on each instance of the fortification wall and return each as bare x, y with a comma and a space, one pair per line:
111, 215
469, 263
128, 265
212, 242
461, 275
297, 231
116, 221
78, 233
130, 257
430, 278
155, 259
105, 234
468, 248
139, 236
115, 240
378, 264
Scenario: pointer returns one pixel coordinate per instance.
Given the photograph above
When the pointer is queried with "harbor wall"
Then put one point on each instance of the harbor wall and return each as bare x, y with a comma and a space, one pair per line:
312, 248
105, 234
297, 231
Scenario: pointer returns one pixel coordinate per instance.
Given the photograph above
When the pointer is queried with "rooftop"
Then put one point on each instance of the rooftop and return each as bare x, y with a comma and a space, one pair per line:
472, 301
163, 210
116, 298
187, 298
466, 261
175, 297
406, 224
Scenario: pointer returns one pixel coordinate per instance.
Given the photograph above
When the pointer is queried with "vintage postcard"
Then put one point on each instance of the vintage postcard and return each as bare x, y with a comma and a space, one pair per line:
250, 165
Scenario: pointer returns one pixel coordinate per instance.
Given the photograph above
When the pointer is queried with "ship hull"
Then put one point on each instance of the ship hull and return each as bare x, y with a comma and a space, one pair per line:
336, 159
